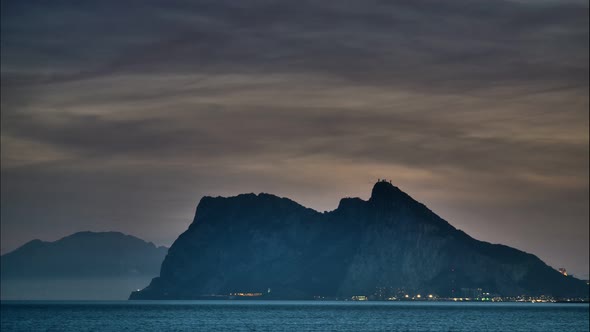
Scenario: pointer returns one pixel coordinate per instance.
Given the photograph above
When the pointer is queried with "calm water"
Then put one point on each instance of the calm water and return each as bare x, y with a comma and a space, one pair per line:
291, 316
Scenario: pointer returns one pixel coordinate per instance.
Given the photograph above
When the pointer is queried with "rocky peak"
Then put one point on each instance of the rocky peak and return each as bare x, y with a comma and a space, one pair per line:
350, 203
385, 194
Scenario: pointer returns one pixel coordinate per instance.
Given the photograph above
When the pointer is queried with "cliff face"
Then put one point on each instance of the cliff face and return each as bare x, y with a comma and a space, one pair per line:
390, 243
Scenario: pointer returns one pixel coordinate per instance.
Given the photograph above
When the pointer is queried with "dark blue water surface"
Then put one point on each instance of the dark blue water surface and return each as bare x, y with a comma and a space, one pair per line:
291, 316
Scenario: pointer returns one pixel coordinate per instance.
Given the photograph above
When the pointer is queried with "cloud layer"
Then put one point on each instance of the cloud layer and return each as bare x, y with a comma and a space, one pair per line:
121, 116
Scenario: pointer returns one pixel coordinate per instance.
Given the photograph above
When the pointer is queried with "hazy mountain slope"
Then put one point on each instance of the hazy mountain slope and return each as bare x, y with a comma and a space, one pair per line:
83, 255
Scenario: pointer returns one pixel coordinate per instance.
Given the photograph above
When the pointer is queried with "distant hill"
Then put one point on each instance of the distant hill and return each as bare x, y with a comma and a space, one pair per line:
388, 245
83, 255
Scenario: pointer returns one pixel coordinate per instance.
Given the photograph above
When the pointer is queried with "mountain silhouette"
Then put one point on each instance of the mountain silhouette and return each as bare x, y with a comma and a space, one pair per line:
388, 245
83, 255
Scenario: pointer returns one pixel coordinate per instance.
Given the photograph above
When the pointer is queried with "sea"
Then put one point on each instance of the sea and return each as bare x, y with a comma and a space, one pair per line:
290, 316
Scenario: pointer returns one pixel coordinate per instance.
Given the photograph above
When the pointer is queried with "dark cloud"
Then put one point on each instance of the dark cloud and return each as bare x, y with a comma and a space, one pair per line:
122, 115
454, 44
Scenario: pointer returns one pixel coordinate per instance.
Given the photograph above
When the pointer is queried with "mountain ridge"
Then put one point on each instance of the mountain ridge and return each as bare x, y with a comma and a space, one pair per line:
253, 243
83, 254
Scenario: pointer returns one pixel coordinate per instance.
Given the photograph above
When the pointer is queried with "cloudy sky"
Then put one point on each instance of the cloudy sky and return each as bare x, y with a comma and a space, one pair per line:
121, 115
